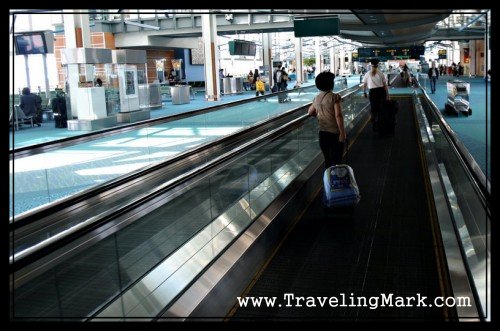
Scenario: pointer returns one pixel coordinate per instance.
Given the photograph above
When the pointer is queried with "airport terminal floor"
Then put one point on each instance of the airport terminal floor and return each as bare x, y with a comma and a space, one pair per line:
474, 130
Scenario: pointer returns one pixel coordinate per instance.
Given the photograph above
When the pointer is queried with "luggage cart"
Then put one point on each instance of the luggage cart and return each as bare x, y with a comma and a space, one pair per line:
458, 98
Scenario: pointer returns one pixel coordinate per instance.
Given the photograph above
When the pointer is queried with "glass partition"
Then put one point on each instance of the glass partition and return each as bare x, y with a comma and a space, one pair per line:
142, 267
66, 171
353, 104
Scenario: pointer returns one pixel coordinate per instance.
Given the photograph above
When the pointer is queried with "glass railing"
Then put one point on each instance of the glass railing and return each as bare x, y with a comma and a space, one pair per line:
44, 178
73, 214
468, 204
139, 269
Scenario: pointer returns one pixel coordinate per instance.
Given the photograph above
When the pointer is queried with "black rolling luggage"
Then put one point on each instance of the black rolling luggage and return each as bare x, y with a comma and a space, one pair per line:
387, 117
60, 121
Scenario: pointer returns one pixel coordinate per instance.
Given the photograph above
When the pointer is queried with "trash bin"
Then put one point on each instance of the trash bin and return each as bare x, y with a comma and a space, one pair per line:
180, 94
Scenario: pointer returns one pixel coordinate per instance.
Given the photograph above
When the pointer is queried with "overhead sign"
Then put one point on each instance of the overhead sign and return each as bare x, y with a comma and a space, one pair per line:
390, 53
442, 54
316, 27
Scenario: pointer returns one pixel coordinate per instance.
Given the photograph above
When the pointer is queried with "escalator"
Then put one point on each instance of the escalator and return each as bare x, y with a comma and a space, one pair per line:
189, 247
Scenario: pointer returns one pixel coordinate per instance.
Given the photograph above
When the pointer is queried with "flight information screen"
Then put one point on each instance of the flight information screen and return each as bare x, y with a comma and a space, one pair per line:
390, 53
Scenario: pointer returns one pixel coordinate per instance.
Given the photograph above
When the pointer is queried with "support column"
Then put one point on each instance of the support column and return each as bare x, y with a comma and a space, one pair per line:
332, 61
30, 28
487, 45
267, 45
318, 57
342, 61
209, 33
349, 55
86, 42
46, 74
472, 58
298, 60
337, 63
27, 71
456, 52
73, 23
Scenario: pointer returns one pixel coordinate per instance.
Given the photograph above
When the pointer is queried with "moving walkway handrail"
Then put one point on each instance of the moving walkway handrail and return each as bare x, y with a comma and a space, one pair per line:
472, 168
86, 137
33, 253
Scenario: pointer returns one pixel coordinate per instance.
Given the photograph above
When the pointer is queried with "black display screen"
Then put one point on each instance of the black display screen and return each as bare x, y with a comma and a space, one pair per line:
390, 53
242, 47
27, 44
252, 50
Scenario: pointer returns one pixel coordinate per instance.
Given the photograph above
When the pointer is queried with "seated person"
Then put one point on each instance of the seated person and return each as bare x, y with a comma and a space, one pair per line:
30, 104
250, 77
171, 79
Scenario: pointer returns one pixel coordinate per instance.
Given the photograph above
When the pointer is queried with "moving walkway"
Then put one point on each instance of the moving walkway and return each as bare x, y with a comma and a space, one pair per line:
189, 247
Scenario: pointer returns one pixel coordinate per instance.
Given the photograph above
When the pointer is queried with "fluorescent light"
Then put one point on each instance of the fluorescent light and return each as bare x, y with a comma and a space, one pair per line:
143, 25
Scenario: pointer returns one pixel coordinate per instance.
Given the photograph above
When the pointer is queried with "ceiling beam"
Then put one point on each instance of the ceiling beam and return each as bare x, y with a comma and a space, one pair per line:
393, 26
406, 39
472, 21
147, 26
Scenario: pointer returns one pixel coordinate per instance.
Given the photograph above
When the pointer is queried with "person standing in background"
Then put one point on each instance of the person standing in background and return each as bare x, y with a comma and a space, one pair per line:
376, 82
433, 76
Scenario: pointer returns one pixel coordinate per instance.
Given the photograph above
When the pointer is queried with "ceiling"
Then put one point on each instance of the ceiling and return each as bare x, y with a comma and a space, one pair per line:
370, 27
389, 27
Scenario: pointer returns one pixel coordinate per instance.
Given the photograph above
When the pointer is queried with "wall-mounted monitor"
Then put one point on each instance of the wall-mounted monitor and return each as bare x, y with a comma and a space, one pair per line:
245, 48
252, 49
30, 43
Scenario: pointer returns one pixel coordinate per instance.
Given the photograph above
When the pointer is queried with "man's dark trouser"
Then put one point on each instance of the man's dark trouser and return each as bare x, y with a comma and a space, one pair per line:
377, 95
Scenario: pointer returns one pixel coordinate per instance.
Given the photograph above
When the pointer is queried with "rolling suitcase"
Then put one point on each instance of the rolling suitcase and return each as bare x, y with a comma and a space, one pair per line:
60, 121
387, 117
339, 187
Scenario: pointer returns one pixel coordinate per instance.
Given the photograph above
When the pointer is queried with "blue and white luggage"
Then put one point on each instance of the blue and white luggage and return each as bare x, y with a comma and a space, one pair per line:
340, 188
